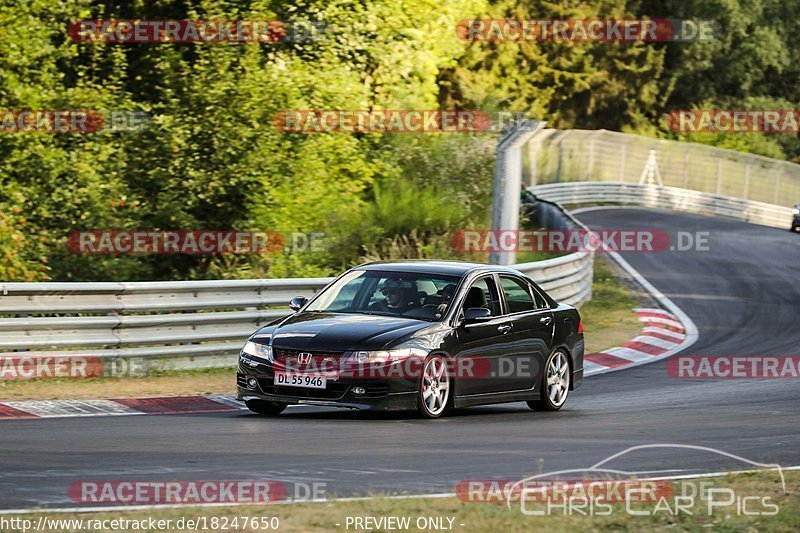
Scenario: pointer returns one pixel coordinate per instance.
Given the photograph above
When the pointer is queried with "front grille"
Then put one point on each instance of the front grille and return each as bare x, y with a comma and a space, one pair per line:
321, 361
241, 380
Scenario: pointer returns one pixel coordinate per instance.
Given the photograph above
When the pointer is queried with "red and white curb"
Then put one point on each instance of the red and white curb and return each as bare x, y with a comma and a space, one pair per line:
662, 333
122, 406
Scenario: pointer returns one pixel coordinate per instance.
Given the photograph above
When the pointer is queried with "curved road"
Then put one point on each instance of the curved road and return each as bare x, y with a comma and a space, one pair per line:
743, 294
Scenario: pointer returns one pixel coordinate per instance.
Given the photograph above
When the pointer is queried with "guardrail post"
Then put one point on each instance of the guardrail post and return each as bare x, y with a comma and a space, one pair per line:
746, 180
686, 169
534, 148
560, 163
590, 166
508, 182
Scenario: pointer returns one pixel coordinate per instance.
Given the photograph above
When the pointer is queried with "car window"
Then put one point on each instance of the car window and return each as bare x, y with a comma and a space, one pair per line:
541, 302
483, 293
517, 294
411, 294
343, 298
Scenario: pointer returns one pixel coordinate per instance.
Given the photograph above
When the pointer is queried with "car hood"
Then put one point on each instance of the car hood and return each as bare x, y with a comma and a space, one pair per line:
337, 332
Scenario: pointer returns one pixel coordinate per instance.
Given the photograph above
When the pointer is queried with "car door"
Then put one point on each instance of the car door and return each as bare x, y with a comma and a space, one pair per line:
483, 345
532, 325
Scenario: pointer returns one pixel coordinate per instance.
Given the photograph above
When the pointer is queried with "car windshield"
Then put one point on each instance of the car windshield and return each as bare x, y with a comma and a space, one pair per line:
409, 294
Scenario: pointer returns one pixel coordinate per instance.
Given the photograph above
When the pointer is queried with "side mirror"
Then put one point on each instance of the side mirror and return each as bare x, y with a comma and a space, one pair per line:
298, 302
474, 315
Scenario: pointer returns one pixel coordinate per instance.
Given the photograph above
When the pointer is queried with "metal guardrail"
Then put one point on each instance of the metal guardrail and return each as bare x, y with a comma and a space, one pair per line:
177, 322
648, 195
191, 324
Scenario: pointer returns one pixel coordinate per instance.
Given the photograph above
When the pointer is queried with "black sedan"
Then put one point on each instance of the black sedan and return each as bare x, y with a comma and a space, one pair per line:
417, 335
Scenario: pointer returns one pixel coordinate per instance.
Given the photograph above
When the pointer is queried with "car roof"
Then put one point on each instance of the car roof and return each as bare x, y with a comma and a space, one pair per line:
450, 268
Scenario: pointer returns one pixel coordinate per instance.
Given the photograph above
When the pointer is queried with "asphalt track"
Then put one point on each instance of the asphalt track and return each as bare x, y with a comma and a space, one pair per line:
743, 294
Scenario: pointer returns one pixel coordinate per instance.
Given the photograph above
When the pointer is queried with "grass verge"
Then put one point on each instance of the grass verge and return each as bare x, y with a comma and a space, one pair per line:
763, 491
164, 383
608, 318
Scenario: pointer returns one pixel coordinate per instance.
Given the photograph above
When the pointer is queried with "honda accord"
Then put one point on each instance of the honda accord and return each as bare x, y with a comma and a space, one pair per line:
428, 336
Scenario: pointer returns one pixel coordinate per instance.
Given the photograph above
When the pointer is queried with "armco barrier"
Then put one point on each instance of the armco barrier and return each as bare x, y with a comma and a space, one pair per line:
649, 195
190, 324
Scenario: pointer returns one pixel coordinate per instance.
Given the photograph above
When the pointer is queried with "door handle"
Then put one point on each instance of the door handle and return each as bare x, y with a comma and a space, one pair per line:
505, 328
545, 320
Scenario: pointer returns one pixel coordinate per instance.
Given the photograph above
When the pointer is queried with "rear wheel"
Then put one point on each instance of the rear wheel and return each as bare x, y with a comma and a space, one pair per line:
555, 383
264, 407
435, 387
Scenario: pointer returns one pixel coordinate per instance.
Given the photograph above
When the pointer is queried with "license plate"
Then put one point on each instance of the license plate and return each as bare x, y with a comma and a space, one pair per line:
309, 381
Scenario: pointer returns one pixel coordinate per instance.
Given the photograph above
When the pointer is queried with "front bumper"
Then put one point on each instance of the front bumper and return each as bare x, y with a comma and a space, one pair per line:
385, 394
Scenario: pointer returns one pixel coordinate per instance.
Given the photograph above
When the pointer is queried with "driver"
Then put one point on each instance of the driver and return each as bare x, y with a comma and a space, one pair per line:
397, 297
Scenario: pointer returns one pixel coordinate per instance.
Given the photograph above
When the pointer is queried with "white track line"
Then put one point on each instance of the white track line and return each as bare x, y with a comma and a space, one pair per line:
689, 327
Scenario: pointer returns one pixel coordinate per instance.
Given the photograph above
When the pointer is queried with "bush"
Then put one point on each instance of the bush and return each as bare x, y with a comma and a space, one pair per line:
19, 257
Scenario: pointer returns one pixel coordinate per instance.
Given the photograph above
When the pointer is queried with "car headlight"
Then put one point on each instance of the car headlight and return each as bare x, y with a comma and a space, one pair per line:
383, 356
796, 211
262, 351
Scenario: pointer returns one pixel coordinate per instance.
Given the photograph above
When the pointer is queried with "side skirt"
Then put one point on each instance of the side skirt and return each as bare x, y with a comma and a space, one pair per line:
495, 397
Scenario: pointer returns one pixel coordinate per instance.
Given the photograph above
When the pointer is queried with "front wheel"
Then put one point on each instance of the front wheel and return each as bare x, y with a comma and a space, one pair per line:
264, 407
435, 387
555, 384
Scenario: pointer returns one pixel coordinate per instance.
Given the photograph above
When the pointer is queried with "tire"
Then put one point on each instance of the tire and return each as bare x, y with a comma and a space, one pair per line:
553, 395
266, 408
794, 228
434, 399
